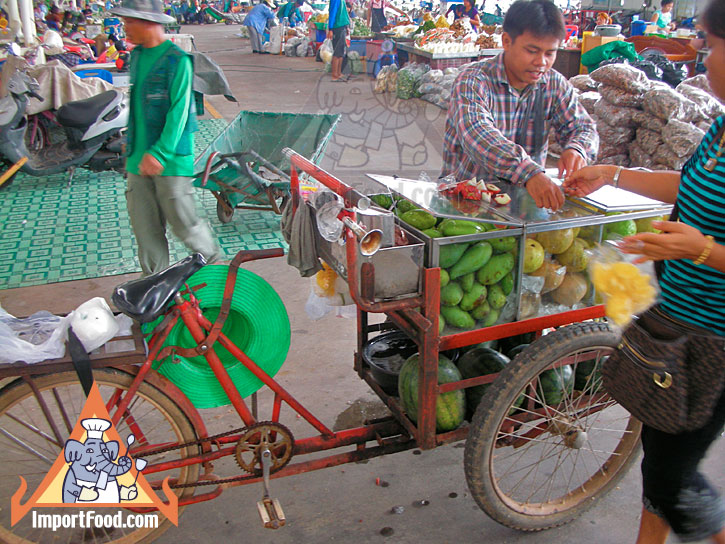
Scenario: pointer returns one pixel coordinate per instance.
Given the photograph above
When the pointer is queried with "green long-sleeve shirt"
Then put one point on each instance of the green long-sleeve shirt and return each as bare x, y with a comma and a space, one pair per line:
180, 98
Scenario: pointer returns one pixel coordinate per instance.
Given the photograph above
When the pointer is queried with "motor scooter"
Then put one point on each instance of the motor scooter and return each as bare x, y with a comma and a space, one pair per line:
93, 130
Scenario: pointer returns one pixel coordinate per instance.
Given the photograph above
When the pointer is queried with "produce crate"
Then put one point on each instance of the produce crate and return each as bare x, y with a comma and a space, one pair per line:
441, 64
358, 46
373, 49
320, 26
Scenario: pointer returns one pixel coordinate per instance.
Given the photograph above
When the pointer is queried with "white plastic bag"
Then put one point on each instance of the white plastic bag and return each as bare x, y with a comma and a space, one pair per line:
326, 51
32, 339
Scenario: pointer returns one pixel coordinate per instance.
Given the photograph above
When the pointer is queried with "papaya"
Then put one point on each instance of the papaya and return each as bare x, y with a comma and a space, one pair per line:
433, 233
472, 259
481, 311
450, 254
384, 201
467, 281
503, 245
420, 219
460, 227
495, 269
474, 297
451, 294
496, 298
455, 317
445, 278
450, 407
507, 284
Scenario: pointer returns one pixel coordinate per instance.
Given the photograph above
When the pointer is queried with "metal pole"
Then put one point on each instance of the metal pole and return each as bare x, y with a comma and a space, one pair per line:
26, 17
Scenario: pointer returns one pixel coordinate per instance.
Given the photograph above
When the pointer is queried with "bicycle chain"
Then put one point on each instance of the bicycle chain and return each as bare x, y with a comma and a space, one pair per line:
194, 442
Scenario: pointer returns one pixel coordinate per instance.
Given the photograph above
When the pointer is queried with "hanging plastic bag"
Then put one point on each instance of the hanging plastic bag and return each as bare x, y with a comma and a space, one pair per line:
32, 339
326, 51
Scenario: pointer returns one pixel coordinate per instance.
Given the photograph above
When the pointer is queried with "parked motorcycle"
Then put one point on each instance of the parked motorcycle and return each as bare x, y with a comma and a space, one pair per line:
93, 131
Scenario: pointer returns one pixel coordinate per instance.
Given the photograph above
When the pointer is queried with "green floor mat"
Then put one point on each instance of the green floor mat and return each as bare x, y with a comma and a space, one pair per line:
53, 231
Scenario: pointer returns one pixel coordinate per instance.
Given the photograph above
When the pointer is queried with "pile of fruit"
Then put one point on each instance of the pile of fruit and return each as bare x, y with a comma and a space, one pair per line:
320, 18
360, 28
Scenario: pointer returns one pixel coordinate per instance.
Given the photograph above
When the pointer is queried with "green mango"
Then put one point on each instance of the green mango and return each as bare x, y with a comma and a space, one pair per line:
403, 206
450, 254
467, 281
445, 278
384, 201
474, 298
481, 311
420, 219
496, 297
433, 233
441, 324
507, 284
490, 318
495, 269
472, 259
460, 227
455, 317
503, 245
451, 294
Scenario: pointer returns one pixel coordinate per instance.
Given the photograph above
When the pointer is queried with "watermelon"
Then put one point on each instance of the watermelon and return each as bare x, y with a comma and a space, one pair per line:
554, 382
450, 407
515, 351
588, 376
481, 361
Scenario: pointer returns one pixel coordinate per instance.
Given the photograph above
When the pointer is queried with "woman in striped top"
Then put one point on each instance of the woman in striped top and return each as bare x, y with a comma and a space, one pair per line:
675, 495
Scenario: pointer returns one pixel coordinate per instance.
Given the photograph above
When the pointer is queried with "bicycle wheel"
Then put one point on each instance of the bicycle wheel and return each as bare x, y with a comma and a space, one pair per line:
542, 463
28, 447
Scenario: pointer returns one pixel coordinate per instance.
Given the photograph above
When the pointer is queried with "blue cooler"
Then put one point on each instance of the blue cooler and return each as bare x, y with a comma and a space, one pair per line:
638, 27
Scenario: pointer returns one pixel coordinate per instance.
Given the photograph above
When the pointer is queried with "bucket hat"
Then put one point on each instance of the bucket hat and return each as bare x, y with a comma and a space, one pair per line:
147, 10
271, 4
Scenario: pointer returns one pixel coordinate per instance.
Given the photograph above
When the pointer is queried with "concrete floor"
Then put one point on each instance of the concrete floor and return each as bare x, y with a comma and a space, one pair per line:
378, 134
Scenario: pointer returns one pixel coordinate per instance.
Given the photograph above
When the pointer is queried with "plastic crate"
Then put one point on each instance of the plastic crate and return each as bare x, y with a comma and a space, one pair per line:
317, 35
358, 46
373, 49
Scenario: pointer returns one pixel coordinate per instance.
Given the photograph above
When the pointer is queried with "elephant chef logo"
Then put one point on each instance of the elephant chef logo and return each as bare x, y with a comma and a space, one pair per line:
95, 468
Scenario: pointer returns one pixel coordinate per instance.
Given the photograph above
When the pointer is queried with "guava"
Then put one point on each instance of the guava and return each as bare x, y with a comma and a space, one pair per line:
553, 274
645, 224
576, 258
556, 241
624, 228
533, 255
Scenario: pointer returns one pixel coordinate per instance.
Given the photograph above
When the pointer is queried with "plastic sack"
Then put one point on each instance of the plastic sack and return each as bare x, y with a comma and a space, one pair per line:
434, 76
649, 140
583, 83
303, 47
93, 323
709, 105
32, 339
669, 104
329, 292
409, 80
613, 136
326, 51
667, 157
650, 122
618, 97
682, 138
614, 116
638, 157
700, 81
622, 76
589, 99
627, 289
618, 160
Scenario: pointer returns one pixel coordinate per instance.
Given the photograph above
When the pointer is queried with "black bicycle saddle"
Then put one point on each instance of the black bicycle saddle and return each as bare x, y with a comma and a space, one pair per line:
146, 299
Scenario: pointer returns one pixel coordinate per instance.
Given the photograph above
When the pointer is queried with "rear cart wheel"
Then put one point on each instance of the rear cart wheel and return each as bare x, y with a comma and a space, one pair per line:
542, 463
29, 446
224, 209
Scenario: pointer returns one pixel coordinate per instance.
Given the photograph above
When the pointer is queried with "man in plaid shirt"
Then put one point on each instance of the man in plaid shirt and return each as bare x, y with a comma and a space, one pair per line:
502, 109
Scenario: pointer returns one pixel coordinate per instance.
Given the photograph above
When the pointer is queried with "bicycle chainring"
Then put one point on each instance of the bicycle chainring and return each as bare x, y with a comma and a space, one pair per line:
255, 438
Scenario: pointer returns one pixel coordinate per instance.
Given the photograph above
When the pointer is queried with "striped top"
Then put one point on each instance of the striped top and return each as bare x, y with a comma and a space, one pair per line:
696, 294
487, 117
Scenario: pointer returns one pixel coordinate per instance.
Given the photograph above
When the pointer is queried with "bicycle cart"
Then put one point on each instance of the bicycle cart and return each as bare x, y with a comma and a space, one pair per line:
532, 460
244, 166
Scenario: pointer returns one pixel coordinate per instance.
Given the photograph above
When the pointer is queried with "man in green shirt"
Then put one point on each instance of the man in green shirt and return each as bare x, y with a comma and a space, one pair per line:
160, 140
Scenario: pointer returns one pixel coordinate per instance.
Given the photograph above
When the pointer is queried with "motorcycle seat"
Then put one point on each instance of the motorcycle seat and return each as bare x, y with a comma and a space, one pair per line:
145, 299
83, 113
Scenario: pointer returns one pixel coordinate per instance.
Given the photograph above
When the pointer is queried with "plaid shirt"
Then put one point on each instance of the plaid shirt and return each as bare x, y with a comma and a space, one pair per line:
484, 116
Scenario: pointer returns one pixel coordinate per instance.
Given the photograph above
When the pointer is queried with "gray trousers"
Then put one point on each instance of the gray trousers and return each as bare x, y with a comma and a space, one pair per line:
155, 201
255, 38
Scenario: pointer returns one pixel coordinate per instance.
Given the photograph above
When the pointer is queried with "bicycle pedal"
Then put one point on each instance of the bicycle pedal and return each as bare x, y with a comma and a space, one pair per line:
270, 510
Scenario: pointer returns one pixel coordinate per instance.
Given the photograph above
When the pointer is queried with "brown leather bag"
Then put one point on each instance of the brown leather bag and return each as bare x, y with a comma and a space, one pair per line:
666, 373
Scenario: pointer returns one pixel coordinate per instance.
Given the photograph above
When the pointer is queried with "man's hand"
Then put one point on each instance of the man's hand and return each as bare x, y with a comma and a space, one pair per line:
545, 192
150, 166
569, 162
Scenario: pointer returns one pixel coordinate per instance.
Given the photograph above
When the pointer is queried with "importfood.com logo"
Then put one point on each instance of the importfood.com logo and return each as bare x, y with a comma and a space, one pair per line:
95, 469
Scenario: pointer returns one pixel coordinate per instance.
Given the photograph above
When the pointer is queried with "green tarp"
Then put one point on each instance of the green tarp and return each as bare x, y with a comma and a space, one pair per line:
611, 50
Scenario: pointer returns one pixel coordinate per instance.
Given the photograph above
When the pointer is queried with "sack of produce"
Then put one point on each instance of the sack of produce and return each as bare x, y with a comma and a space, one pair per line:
665, 155
610, 150
589, 99
439, 99
614, 116
619, 160
709, 105
669, 104
648, 140
434, 76
682, 138
392, 79
303, 48
409, 80
700, 81
622, 76
583, 83
638, 157
648, 121
618, 97
429, 88
381, 81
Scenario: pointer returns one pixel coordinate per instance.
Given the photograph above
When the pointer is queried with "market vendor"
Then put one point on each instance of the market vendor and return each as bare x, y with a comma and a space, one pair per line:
502, 109
376, 14
663, 16
256, 21
291, 10
337, 25
467, 9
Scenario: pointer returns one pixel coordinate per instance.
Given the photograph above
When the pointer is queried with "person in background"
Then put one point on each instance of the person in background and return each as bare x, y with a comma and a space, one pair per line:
603, 18
467, 9
291, 10
256, 21
54, 19
675, 495
501, 109
663, 16
162, 121
376, 14
337, 26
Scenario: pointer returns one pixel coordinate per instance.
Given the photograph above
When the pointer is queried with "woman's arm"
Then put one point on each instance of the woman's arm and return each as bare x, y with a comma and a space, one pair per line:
655, 17
660, 185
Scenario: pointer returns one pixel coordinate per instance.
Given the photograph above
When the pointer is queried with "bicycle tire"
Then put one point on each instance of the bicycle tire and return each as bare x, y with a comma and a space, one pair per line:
63, 389
490, 474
